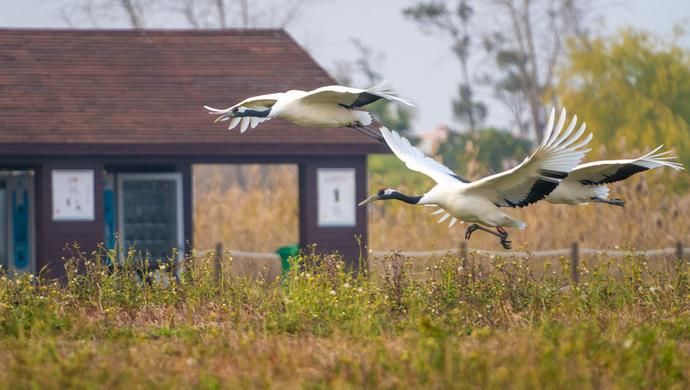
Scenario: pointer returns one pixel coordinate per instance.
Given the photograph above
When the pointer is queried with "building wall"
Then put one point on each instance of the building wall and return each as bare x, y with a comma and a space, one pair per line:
56, 239
330, 239
187, 204
53, 239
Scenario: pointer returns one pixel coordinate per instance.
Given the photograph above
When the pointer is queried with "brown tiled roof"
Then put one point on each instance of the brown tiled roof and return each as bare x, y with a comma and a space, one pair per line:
124, 91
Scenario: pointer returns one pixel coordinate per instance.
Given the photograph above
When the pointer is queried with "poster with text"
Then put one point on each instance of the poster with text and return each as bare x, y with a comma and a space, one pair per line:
73, 195
336, 197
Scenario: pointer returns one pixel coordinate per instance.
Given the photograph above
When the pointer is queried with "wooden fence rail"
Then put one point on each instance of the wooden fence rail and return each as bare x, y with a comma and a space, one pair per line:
575, 252
678, 250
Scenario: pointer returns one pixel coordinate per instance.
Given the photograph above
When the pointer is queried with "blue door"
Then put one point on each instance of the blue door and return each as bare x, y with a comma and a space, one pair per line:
16, 221
4, 233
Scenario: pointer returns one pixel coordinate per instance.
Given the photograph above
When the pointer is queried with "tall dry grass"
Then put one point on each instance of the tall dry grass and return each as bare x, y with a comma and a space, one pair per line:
256, 208
652, 218
245, 207
625, 326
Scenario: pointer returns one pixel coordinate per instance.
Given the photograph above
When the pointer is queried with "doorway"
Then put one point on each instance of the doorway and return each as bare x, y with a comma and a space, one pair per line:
248, 207
149, 213
17, 221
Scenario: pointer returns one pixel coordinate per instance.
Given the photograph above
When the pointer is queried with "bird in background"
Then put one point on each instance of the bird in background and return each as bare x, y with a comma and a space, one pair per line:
330, 106
480, 201
587, 182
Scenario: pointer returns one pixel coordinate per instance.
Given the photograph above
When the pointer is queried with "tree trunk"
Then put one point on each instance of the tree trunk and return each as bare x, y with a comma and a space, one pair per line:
134, 13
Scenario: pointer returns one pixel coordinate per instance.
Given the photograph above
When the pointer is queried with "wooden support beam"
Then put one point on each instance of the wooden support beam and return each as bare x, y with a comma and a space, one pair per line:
574, 264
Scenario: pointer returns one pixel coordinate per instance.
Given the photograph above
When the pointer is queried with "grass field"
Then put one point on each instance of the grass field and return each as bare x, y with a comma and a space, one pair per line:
429, 323
492, 323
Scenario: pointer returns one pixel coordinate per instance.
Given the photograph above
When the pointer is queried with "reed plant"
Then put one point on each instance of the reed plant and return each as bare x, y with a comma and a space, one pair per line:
489, 322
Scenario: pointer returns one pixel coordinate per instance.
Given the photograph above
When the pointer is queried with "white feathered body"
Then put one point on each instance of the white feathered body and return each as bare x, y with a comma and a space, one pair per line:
574, 192
329, 106
561, 149
469, 207
314, 114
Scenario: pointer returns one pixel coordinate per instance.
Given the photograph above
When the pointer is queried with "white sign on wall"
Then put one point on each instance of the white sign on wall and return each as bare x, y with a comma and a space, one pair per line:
73, 195
336, 196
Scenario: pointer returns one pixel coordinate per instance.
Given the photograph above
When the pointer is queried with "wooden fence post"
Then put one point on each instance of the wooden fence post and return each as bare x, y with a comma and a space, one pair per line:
679, 251
218, 263
574, 263
463, 254
464, 261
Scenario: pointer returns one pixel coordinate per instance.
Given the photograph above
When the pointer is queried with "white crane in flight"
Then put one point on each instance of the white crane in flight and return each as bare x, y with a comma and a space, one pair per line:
480, 201
330, 106
587, 182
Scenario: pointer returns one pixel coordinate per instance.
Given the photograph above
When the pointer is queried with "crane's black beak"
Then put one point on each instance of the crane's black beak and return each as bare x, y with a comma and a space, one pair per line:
369, 199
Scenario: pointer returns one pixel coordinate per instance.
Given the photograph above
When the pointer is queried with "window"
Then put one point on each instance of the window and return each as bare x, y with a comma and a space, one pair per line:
150, 213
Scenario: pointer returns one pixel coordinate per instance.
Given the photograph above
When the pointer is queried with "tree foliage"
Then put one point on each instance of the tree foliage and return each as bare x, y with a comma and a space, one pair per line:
139, 14
484, 152
363, 71
438, 17
523, 41
633, 90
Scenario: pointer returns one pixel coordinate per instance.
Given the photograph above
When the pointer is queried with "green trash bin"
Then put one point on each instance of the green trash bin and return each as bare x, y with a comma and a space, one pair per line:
285, 252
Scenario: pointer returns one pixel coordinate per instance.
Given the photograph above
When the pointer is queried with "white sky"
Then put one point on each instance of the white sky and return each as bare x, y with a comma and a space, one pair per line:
419, 66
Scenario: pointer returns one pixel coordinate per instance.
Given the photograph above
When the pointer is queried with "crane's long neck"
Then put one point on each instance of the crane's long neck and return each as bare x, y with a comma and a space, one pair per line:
405, 198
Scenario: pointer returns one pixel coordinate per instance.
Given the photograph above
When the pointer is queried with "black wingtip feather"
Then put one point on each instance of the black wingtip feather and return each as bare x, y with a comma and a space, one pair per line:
364, 99
553, 174
540, 189
621, 174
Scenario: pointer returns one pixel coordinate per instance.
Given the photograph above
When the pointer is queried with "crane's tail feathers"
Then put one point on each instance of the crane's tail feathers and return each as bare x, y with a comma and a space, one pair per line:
363, 118
600, 192
385, 90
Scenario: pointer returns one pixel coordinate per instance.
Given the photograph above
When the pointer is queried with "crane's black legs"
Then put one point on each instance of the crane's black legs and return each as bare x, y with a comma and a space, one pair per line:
367, 131
502, 234
614, 202
504, 237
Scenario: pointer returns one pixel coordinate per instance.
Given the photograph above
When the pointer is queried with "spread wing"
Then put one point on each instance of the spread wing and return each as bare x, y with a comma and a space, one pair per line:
559, 152
352, 97
416, 160
256, 103
609, 171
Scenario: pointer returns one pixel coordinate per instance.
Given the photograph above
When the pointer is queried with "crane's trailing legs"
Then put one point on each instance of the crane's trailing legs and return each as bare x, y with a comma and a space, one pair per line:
502, 234
614, 202
367, 131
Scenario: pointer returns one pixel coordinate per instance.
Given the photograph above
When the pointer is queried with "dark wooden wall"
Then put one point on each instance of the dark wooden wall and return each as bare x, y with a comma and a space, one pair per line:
332, 239
54, 238
187, 205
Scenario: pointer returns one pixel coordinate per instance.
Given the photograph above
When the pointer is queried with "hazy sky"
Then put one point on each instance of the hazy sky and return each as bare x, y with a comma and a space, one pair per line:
419, 66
